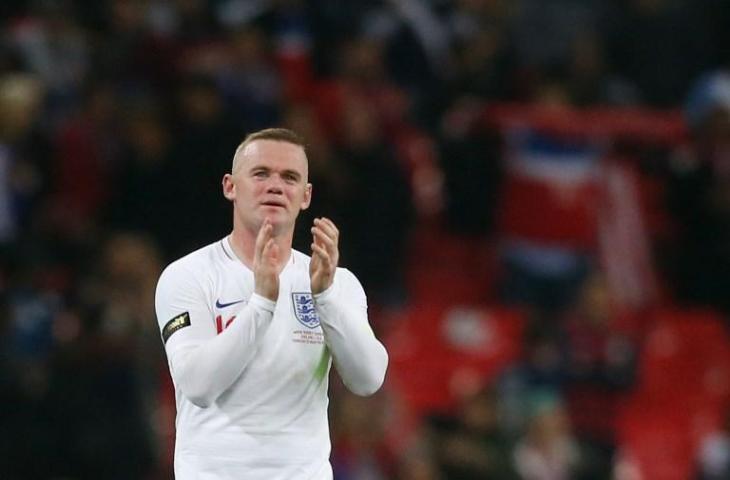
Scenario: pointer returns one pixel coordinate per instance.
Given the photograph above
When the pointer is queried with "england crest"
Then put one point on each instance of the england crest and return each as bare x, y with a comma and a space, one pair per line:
304, 309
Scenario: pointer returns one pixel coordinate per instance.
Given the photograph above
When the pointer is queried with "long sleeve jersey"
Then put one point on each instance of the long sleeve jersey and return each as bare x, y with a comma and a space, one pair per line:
250, 374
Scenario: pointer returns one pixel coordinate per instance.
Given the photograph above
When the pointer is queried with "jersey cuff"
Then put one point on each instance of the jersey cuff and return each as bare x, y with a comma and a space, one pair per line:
326, 294
259, 301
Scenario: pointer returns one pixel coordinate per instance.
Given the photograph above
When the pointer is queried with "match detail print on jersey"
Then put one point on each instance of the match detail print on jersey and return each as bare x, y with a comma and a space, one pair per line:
178, 322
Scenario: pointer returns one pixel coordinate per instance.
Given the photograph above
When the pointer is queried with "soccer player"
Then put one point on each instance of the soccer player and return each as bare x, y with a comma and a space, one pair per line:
252, 326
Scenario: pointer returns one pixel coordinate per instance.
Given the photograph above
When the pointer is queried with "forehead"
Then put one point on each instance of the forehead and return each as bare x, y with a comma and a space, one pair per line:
273, 154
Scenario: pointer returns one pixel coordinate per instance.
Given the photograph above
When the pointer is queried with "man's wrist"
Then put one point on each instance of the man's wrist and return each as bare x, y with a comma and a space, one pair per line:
324, 294
258, 300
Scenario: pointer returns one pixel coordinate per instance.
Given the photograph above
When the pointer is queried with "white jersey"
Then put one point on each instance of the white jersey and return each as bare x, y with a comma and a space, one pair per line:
251, 375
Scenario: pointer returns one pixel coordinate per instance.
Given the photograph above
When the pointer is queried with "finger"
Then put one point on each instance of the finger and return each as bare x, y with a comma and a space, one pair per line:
320, 252
329, 245
316, 238
325, 236
271, 250
266, 251
328, 226
262, 238
322, 238
332, 225
322, 256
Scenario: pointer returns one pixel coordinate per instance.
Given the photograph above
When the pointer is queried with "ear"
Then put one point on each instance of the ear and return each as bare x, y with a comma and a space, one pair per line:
229, 188
307, 196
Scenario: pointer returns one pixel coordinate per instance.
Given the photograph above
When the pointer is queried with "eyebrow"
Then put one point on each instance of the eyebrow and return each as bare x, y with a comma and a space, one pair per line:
293, 173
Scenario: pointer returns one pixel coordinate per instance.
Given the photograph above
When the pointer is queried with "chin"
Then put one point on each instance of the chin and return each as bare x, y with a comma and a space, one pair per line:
279, 223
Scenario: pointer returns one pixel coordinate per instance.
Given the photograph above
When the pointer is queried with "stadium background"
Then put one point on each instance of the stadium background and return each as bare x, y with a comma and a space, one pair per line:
535, 194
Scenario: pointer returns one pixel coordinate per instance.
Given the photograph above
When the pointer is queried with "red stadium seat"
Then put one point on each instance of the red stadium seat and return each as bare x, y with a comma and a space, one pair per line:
436, 352
657, 441
684, 387
686, 354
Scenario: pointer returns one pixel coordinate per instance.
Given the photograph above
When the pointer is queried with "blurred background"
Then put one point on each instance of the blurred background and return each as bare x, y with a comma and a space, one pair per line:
534, 193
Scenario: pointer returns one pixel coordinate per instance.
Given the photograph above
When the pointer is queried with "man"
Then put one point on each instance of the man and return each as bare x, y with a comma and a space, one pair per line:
251, 328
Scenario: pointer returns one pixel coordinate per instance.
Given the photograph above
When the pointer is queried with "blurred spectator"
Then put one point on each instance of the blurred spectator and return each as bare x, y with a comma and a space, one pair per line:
86, 152
484, 58
144, 189
414, 46
23, 153
472, 445
94, 407
132, 264
418, 465
360, 451
333, 23
541, 369
470, 160
699, 195
583, 353
51, 44
548, 450
326, 173
192, 24
377, 205
206, 136
660, 45
545, 31
108, 345
361, 76
545, 277
250, 82
589, 80
713, 462
293, 38
124, 286
132, 49
28, 307
600, 367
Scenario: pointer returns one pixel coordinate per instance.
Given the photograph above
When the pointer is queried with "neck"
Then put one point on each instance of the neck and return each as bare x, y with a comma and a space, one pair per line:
243, 243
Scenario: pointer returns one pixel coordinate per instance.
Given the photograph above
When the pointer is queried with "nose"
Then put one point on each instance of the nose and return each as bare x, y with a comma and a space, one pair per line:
274, 185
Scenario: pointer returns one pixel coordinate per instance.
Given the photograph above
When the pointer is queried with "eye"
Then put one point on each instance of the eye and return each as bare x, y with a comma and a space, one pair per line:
260, 174
290, 178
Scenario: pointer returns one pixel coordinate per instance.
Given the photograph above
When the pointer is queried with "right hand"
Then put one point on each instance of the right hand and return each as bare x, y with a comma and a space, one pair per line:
266, 263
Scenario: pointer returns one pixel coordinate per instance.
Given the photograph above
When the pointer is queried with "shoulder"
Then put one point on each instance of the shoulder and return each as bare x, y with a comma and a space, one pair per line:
346, 277
192, 267
349, 287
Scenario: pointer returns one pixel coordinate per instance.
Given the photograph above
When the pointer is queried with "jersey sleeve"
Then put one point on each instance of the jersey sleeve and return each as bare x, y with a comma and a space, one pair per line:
203, 363
360, 359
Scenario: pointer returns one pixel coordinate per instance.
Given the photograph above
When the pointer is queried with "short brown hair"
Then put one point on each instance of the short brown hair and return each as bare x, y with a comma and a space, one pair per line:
277, 134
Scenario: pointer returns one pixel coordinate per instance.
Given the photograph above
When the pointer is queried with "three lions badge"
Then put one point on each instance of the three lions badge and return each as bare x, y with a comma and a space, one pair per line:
304, 309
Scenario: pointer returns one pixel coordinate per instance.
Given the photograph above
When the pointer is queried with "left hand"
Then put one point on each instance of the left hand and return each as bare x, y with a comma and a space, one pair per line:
325, 254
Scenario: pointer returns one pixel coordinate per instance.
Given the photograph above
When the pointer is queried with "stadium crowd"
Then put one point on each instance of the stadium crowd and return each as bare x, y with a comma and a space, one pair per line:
118, 119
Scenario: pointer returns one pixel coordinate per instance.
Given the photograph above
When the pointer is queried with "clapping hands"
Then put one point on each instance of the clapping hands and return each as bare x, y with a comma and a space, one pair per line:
325, 254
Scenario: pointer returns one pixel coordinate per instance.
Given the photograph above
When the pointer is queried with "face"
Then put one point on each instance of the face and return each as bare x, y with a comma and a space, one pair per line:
269, 180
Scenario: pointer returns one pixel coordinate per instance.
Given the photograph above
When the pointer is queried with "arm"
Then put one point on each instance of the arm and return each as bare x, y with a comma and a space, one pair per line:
203, 364
360, 359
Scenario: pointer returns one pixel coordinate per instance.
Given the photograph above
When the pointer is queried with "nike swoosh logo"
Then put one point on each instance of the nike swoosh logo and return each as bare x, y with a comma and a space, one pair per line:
218, 303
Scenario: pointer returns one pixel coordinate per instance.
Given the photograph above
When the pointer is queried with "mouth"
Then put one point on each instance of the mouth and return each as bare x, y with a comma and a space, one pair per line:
273, 203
